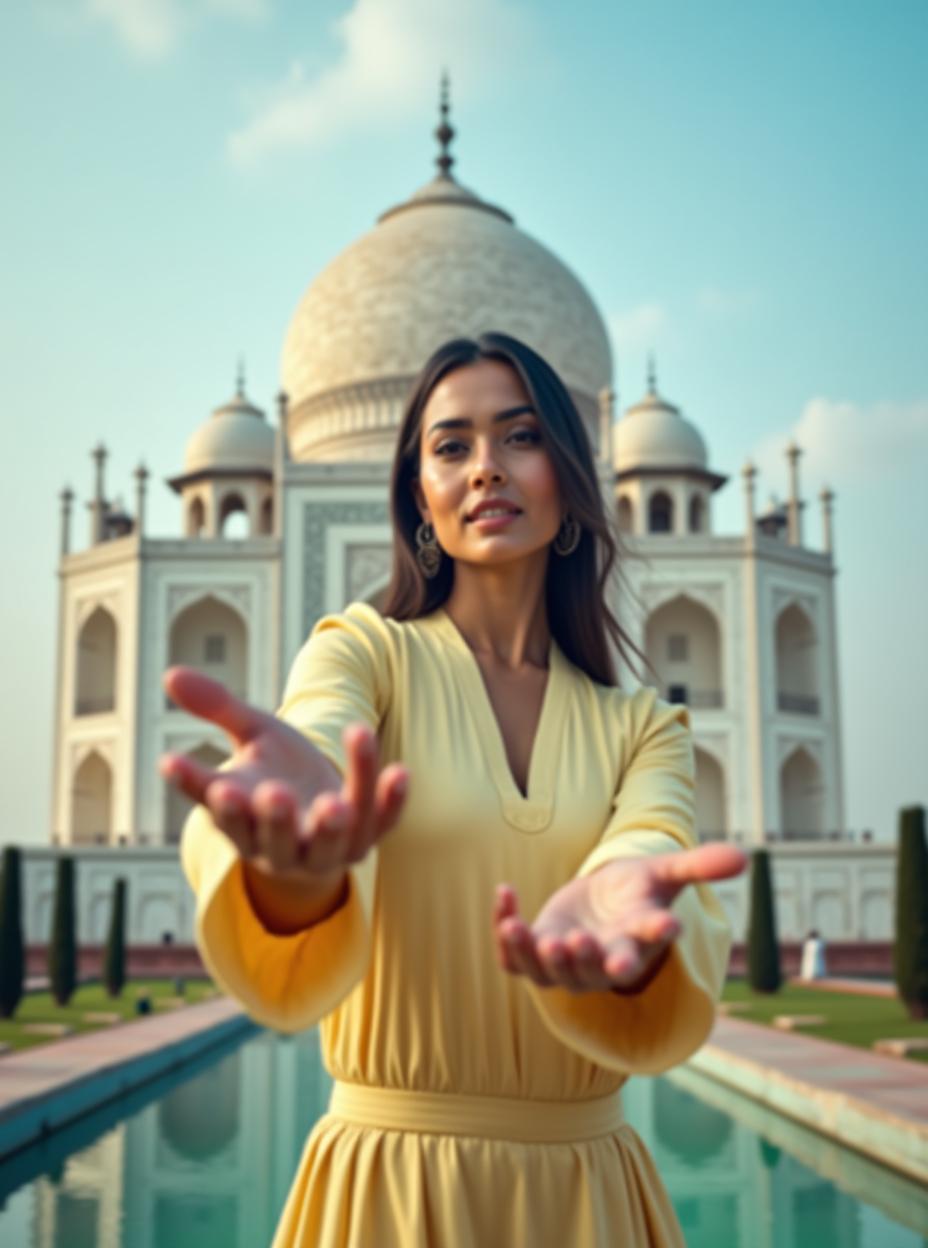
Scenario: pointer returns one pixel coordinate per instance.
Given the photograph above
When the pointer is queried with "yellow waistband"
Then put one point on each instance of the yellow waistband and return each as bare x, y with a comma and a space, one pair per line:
492, 1117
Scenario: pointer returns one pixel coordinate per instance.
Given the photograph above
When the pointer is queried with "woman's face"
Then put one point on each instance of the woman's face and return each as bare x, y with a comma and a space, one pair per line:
482, 440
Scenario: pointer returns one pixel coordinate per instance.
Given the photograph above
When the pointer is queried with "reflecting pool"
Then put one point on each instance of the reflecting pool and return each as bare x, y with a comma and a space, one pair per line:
204, 1158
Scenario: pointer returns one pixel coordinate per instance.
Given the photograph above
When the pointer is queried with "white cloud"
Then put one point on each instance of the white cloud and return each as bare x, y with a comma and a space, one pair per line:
847, 443
639, 329
151, 28
390, 55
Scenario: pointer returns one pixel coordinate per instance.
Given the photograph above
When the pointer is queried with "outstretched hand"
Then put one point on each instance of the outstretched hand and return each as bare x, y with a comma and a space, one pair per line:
611, 929
279, 799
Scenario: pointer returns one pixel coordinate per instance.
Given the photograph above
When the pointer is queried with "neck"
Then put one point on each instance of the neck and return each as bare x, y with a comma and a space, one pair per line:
501, 612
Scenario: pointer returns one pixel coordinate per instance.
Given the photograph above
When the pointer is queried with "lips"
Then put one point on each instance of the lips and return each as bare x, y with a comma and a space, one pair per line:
494, 505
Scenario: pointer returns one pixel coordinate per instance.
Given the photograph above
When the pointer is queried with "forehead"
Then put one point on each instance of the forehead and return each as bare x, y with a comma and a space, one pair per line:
483, 388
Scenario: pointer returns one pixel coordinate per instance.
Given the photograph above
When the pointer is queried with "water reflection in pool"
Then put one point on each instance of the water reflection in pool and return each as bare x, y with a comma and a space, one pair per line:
206, 1160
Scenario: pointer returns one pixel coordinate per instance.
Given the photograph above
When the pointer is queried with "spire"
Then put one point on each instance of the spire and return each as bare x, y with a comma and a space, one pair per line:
444, 131
652, 374
240, 378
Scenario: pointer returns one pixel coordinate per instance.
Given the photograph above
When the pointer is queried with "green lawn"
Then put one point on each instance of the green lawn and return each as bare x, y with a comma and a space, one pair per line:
852, 1018
38, 1007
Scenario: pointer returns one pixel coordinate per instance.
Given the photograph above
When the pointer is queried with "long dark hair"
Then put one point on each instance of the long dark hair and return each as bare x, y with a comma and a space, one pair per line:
575, 589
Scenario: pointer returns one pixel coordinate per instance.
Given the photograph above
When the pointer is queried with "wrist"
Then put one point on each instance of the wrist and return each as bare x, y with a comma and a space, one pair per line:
285, 904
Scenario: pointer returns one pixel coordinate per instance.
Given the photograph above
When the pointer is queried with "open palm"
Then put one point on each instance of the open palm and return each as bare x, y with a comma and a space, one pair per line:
610, 929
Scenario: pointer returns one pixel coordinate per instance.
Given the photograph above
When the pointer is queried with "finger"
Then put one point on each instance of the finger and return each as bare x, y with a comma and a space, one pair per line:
360, 779
623, 963
694, 866
557, 962
325, 841
231, 814
274, 807
208, 699
588, 958
522, 955
505, 903
187, 775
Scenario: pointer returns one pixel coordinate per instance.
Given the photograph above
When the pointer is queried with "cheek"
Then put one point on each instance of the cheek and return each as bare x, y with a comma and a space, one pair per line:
440, 488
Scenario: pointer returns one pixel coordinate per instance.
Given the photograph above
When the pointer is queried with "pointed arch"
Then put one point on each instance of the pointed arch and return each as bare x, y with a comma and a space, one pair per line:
92, 801
797, 662
95, 687
234, 521
697, 516
660, 512
801, 796
684, 646
211, 636
711, 806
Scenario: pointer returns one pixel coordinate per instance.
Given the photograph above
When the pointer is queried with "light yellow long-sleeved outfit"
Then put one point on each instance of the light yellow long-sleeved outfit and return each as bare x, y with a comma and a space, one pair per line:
471, 1109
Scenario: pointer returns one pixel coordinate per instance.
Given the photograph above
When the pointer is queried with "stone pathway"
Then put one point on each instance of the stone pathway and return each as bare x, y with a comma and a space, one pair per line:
45, 1087
876, 1105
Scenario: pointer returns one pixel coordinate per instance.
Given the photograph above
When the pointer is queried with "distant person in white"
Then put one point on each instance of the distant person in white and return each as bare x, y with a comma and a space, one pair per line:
813, 957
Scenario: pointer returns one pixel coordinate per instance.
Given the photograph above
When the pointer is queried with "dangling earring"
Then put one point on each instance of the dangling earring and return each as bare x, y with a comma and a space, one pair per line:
428, 551
568, 536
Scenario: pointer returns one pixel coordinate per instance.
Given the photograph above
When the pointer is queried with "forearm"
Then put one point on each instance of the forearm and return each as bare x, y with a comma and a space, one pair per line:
286, 905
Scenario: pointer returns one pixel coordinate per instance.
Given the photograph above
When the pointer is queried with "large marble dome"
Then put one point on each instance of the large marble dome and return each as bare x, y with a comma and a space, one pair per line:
443, 264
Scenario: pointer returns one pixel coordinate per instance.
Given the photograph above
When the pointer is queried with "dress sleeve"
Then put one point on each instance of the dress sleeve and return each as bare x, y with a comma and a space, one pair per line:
340, 676
652, 813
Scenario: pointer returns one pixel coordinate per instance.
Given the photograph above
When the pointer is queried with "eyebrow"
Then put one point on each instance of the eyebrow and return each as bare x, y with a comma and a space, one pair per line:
465, 422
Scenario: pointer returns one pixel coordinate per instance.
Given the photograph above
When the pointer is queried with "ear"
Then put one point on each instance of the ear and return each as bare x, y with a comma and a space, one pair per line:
419, 496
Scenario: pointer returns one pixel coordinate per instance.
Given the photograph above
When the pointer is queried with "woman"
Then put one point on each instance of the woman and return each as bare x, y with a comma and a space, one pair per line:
478, 1042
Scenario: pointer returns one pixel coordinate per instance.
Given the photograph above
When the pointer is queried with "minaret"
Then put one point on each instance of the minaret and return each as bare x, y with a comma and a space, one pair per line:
98, 506
141, 476
749, 473
794, 530
828, 499
67, 497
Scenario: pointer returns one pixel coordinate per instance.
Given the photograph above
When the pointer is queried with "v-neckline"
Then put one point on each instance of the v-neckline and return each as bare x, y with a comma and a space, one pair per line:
530, 811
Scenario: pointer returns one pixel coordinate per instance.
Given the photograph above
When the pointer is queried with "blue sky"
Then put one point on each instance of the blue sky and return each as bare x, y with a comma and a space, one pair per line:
739, 186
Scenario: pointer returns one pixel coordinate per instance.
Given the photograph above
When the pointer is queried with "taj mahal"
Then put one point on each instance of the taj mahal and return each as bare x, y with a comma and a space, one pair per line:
280, 522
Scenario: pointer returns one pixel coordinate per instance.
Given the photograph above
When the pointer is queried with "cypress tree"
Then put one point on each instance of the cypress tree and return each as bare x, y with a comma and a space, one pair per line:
763, 949
910, 949
114, 964
62, 948
12, 953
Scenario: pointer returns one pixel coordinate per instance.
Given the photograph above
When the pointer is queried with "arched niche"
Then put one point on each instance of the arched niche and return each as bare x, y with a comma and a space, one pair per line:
212, 637
267, 517
178, 805
196, 517
697, 516
626, 514
95, 688
801, 796
711, 822
683, 644
233, 516
92, 801
797, 662
660, 512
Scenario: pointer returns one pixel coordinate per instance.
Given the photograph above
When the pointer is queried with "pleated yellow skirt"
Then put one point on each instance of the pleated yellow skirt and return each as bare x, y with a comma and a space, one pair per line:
388, 1168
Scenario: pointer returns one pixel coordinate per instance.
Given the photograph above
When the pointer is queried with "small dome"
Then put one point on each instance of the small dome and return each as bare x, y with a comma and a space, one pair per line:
236, 437
653, 434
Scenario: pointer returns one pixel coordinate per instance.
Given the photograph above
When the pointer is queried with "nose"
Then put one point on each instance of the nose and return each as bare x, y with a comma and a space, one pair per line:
484, 467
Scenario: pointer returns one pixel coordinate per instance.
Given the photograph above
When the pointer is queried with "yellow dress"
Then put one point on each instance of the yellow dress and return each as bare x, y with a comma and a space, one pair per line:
471, 1109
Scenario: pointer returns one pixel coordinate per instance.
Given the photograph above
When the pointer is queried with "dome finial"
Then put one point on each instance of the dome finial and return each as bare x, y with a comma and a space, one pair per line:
240, 378
444, 131
652, 374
